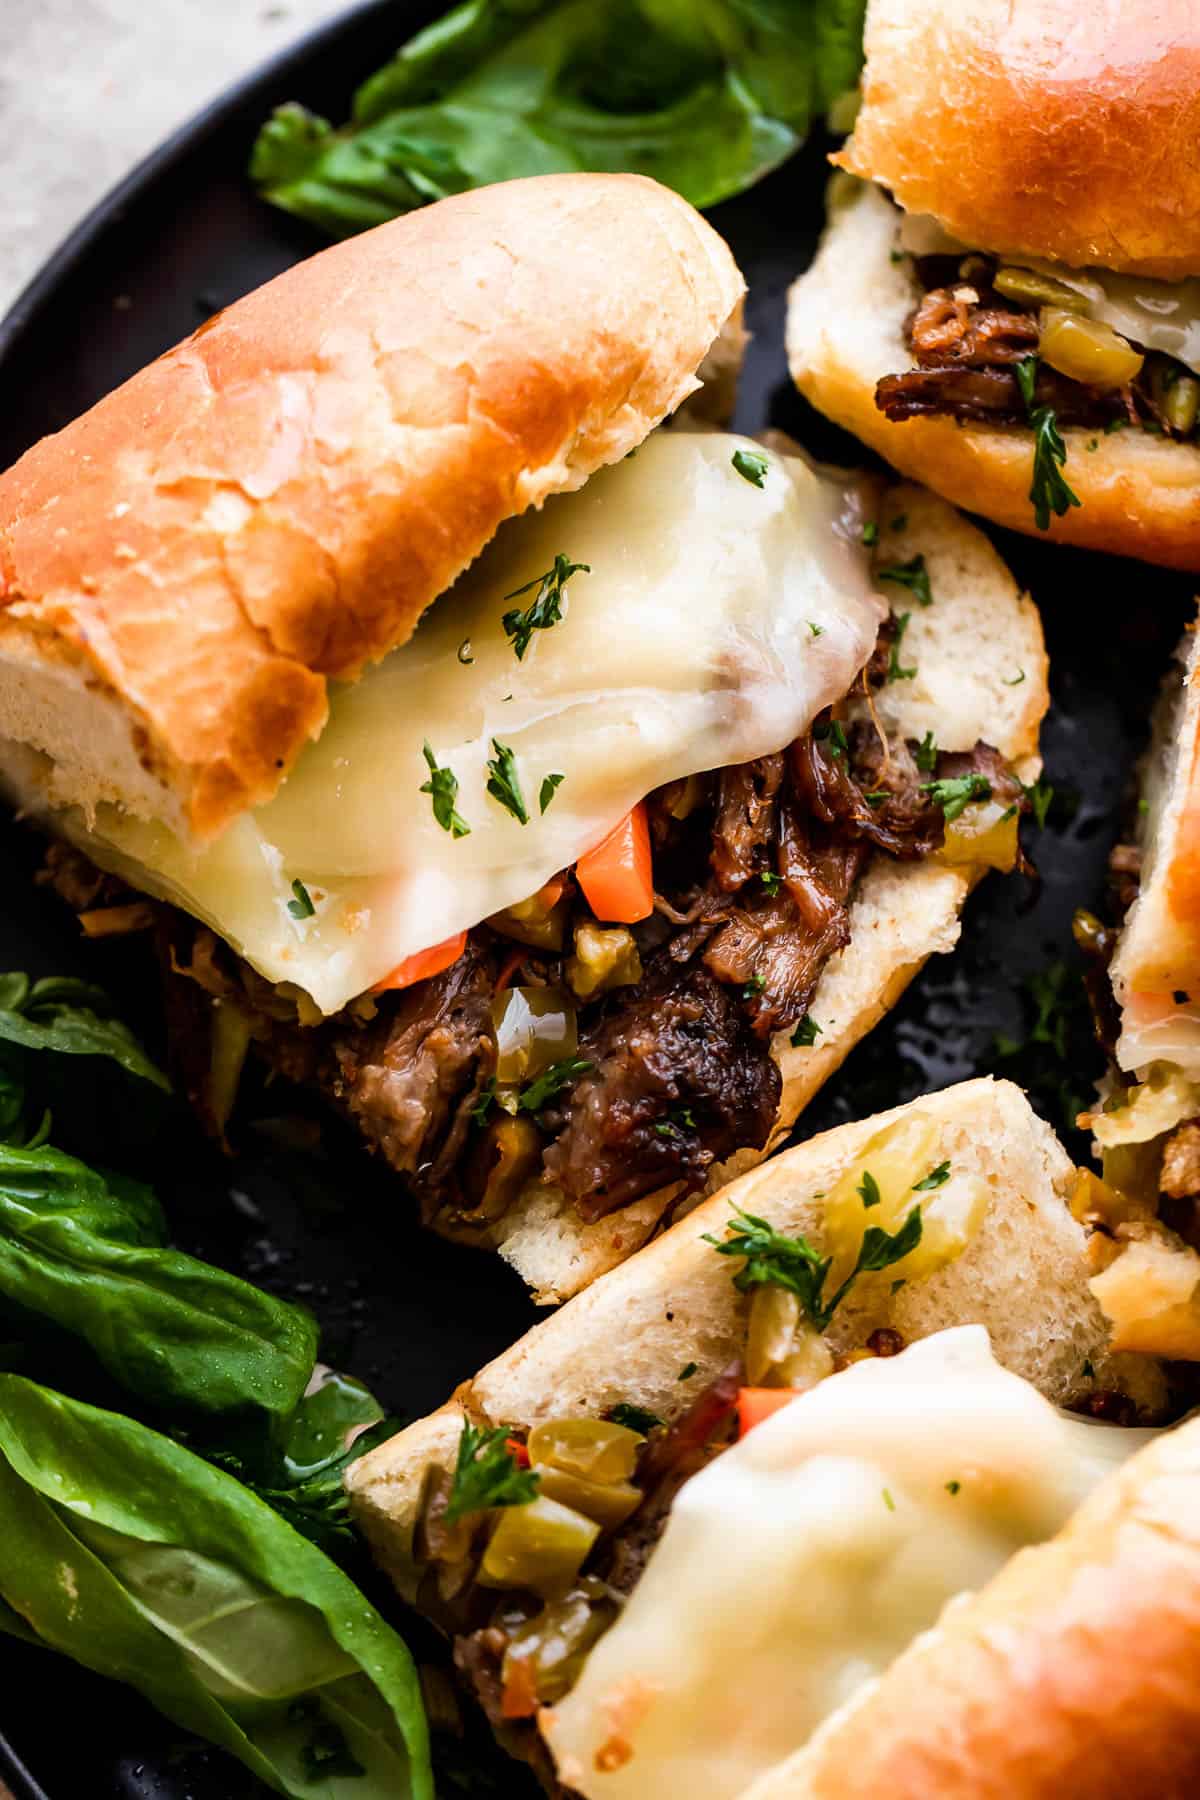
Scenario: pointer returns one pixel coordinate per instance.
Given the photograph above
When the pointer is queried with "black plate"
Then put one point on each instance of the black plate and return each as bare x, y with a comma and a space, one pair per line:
181, 237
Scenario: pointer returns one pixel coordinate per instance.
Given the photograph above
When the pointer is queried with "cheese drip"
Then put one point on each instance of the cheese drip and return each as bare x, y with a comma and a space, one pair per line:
718, 618
799, 1563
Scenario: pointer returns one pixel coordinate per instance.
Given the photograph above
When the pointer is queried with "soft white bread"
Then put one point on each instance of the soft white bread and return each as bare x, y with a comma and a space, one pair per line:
1068, 132
1023, 1276
275, 502
1075, 1671
1139, 493
968, 649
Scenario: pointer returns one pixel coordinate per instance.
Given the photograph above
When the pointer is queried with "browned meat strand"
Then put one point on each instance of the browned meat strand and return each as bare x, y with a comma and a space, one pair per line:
678, 1081
874, 793
950, 325
745, 823
992, 396
411, 1078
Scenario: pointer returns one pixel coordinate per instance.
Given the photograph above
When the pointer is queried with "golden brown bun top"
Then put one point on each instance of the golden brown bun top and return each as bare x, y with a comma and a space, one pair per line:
276, 500
1067, 129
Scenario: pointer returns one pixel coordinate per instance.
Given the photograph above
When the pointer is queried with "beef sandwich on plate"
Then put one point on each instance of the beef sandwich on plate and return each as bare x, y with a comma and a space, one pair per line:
553, 789
1007, 304
708, 1515
1145, 986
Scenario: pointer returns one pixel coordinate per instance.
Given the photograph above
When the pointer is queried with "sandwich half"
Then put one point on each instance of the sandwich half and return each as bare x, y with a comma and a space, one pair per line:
1005, 303
572, 894
1146, 985
644, 1592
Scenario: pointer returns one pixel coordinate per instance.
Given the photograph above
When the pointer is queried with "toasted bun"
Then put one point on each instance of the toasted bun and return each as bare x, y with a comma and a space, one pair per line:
1029, 126
1139, 494
1075, 1671
967, 648
1023, 1276
275, 502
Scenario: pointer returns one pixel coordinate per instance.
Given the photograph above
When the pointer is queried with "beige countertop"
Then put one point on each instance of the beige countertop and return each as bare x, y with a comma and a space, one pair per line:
87, 87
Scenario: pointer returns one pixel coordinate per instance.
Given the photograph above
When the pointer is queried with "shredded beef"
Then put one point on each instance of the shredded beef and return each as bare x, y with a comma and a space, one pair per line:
898, 817
745, 821
993, 396
677, 1081
950, 326
479, 1658
412, 1078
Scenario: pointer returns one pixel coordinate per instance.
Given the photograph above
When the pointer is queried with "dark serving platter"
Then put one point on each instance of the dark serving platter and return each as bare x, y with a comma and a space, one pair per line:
181, 237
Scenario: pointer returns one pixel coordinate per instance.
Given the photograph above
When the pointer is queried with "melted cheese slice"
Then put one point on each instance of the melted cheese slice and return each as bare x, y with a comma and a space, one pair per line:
717, 619
803, 1560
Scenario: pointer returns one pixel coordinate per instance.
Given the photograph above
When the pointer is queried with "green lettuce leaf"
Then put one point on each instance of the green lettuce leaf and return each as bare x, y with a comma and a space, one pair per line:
87, 1252
715, 95
137, 1559
73, 1018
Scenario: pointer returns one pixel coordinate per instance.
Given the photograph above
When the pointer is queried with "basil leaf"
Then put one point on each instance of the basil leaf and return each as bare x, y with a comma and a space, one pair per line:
72, 1017
88, 1252
136, 1559
715, 97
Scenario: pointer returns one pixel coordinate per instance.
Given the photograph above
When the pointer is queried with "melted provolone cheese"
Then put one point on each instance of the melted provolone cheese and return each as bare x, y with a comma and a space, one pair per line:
1158, 315
717, 619
799, 1563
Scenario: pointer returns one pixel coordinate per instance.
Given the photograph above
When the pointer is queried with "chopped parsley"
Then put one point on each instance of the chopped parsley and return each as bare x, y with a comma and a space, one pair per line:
911, 574
751, 467
680, 1119
1040, 795
900, 521
482, 1106
300, 905
633, 1418
956, 792
817, 630
771, 881
806, 1033
870, 534
868, 1190
1017, 679
687, 1371
559, 1075
832, 734
545, 609
1026, 373
792, 1263
888, 1501
895, 672
926, 754
504, 783
936, 1178
487, 1474
754, 985
953, 1487
1049, 490
550, 786
442, 788
464, 651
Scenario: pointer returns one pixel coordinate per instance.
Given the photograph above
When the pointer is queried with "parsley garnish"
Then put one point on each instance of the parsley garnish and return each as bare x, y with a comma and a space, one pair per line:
550, 786
936, 1178
817, 630
877, 796
911, 574
301, 906
487, 1474
1049, 490
870, 534
504, 784
792, 1263
482, 1106
806, 1033
634, 1418
681, 1117
751, 467
550, 1081
868, 1191
894, 670
1026, 373
442, 787
834, 735
888, 1501
754, 985
545, 609
687, 1371
771, 881
952, 1487
464, 651
1039, 795
956, 792
1017, 679
926, 754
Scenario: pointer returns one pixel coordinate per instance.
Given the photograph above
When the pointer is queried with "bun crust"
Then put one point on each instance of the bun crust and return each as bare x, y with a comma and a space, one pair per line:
1075, 1671
275, 501
1024, 1276
1029, 126
1139, 494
